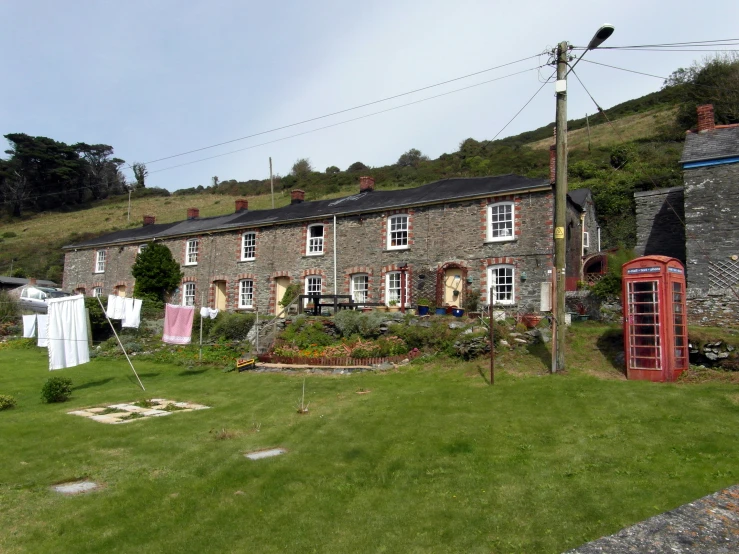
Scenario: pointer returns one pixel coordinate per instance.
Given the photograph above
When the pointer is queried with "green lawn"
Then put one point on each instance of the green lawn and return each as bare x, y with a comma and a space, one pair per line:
431, 460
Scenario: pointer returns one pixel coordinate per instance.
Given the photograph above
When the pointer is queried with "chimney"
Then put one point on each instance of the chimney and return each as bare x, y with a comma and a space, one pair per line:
552, 163
32, 281
149, 220
366, 184
193, 213
297, 196
241, 205
705, 118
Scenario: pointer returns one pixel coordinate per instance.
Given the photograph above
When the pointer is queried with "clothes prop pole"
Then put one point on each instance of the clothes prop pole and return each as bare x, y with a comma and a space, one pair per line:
120, 343
200, 352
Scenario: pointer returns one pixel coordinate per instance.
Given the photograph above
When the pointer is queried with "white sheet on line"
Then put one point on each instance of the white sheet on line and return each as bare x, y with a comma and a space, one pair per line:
29, 326
115, 309
205, 311
42, 327
131, 313
67, 332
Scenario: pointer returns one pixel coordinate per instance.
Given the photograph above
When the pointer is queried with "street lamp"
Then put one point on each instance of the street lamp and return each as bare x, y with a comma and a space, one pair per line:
560, 193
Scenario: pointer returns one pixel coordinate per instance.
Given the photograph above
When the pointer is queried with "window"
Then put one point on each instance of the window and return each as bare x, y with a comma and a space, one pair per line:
248, 246
142, 247
586, 239
360, 288
392, 288
246, 293
188, 294
312, 285
97, 291
500, 278
397, 232
100, 261
315, 240
500, 219
191, 255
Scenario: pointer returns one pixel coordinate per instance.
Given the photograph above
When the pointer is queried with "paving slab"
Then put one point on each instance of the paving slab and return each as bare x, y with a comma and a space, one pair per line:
265, 453
709, 525
75, 488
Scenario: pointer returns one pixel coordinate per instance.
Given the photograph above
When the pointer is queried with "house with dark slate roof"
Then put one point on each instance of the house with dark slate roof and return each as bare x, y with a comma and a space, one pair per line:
442, 241
698, 223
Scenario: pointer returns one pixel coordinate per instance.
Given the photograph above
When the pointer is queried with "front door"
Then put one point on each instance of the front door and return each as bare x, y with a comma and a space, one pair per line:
281, 284
220, 294
453, 286
120, 290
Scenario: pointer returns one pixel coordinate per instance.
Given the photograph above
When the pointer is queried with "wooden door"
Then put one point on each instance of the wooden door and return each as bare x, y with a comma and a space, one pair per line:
220, 294
453, 284
281, 284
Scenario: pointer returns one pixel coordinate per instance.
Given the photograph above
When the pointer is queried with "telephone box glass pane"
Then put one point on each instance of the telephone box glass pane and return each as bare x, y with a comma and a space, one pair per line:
679, 328
644, 325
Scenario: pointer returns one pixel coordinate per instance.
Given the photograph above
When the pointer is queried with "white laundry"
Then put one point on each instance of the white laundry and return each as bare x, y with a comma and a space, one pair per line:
115, 309
29, 326
131, 313
207, 312
67, 332
42, 327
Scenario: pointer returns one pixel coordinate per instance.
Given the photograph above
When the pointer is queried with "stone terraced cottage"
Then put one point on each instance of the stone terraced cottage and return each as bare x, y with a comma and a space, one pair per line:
448, 238
698, 223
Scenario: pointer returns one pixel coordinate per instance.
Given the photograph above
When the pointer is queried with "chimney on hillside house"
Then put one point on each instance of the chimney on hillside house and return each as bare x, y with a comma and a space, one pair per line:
552, 163
366, 183
705, 118
193, 213
297, 196
32, 281
149, 220
241, 205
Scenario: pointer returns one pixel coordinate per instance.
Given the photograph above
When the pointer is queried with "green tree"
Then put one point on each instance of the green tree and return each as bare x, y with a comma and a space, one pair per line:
156, 271
357, 166
140, 173
301, 168
411, 158
332, 170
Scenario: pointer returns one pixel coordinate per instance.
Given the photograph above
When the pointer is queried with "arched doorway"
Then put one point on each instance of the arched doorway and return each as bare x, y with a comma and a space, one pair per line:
451, 281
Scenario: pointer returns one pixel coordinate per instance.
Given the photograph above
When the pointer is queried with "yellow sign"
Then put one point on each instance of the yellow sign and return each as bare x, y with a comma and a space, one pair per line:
559, 233
243, 363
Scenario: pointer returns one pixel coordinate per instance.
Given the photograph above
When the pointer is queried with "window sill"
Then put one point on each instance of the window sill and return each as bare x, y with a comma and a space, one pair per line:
98, 272
397, 248
497, 241
247, 260
189, 265
315, 255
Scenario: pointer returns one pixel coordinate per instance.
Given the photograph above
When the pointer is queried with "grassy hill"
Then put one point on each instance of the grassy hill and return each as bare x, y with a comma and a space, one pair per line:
613, 168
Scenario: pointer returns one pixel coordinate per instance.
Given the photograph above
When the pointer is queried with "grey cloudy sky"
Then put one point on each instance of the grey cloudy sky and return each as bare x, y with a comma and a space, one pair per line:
156, 78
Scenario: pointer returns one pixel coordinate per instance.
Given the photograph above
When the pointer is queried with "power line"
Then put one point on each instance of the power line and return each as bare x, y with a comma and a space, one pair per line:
669, 50
524, 106
716, 42
350, 120
340, 111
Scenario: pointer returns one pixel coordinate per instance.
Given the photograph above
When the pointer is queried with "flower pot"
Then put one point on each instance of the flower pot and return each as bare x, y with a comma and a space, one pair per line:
380, 308
366, 309
531, 320
393, 308
440, 311
474, 315
457, 312
423, 310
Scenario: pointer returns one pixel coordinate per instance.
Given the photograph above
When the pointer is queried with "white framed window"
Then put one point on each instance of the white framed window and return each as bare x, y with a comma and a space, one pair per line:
586, 239
246, 293
97, 291
248, 246
501, 279
188, 294
500, 221
100, 261
142, 247
313, 285
360, 287
392, 288
315, 240
397, 232
191, 252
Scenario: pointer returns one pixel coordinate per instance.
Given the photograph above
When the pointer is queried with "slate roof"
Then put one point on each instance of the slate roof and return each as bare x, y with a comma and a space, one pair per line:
19, 282
722, 142
579, 197
365, 202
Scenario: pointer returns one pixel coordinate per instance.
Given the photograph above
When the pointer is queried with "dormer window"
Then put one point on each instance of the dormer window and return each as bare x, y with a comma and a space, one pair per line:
315, 240
397, 232
500, 221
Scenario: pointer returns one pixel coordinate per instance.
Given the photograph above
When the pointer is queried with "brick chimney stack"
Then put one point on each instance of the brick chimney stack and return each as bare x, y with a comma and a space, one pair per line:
366, 183
193, 213
297, 196
241, 205
552, 163
705, 118
32, 281
149, 220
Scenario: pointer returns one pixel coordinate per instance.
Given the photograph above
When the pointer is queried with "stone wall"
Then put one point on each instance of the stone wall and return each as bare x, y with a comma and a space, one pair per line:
439, 234
659, 223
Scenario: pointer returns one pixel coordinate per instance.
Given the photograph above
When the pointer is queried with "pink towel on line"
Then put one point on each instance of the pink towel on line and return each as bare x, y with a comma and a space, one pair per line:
177, 324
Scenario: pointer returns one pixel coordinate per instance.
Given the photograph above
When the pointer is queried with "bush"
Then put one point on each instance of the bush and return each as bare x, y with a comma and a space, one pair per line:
230, 327
304, 334
6, 402
9, 235
436, 337
57, 389
9, 306
369, 324
347, 322
610, 283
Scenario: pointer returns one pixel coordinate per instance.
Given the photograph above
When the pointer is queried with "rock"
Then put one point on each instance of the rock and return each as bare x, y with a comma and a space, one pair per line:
723, 355
504, 342
521, 341
384, 366
711, 356
467, 331
456, 325
514, 335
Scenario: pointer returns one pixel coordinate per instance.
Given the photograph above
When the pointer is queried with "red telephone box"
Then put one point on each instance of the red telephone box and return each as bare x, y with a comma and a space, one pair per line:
655, 318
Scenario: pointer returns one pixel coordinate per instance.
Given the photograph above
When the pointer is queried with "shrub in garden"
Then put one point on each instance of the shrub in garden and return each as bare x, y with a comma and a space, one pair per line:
231, 327
9, 307
57, 389
369, 324
6, 402
347, 322
304, 333
437, 336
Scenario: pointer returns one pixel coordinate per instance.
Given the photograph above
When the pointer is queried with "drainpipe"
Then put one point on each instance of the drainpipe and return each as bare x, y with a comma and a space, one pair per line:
335, 291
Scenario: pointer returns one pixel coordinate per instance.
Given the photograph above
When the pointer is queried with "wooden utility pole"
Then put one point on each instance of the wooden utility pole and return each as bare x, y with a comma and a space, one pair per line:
560, 206
271, 183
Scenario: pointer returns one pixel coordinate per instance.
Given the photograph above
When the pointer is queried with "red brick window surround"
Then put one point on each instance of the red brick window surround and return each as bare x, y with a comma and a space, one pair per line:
390, 285
100, 260
501, 221
501, 275
248, 246
192, 246
246, 293
315, 239
398, 232
188, 291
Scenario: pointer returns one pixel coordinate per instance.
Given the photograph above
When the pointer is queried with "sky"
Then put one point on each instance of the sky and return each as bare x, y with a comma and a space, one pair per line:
155, 79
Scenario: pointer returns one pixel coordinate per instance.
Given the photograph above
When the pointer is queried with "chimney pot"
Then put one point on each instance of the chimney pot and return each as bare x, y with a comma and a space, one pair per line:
241, 205
297, 196
149, 220
552, 163
193, 213
32, 281
706, 120
366, 183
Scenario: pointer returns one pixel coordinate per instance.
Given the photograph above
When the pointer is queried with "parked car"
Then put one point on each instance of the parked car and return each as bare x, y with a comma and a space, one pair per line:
34, 297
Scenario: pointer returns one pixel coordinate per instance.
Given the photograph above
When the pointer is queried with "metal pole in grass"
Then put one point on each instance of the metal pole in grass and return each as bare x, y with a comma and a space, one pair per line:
492, 338
120, 343
256, 324
200, 352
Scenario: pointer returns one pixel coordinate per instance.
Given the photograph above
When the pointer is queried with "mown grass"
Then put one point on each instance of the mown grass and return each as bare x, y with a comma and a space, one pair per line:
431, 460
